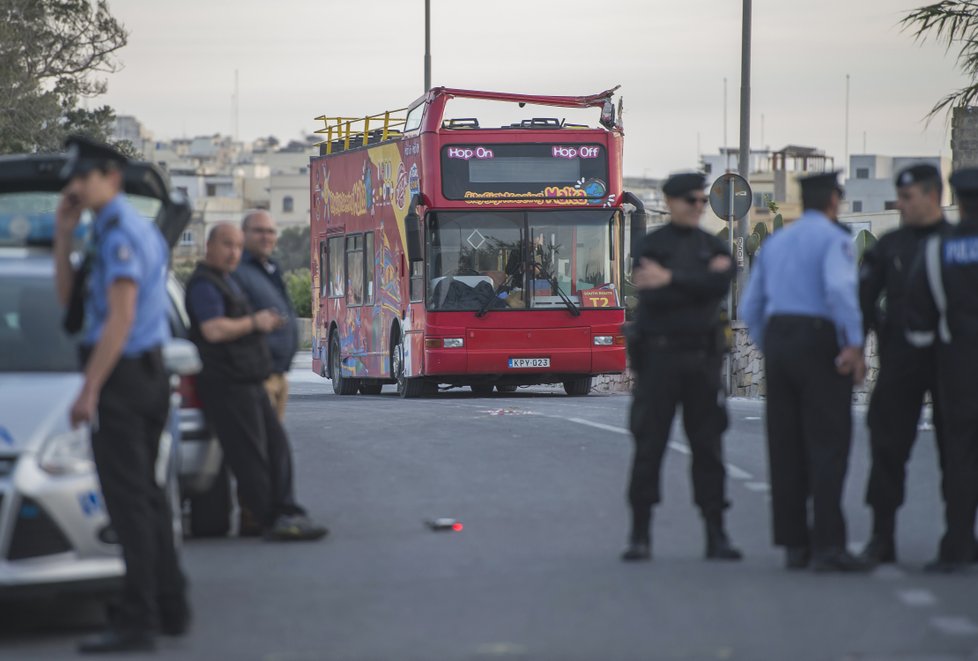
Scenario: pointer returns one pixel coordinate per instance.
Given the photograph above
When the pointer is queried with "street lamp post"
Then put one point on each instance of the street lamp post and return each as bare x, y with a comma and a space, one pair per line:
427, 45
743, 225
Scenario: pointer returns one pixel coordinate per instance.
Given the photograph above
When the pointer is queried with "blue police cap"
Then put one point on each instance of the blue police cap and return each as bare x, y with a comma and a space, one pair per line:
685, 182
916, 174
85, 154
965, 182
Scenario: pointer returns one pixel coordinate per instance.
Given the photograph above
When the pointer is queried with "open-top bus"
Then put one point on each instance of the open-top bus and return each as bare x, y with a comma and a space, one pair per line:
448, 252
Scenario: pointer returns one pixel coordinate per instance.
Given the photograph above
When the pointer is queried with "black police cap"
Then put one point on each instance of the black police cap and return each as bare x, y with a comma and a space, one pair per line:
965, 182
818, 183
85, 154
916, 174
686, 182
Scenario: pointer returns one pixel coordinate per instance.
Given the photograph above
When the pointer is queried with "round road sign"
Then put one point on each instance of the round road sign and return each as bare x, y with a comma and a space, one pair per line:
723, 203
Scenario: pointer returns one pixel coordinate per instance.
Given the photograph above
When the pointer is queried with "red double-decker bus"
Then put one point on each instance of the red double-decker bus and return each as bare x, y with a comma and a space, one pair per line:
449, 252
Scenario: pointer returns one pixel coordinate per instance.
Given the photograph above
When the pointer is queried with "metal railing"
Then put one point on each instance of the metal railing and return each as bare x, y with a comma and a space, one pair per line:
342, 132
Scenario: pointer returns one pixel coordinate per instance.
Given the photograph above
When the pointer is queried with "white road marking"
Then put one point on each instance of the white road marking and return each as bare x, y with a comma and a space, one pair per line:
679, 447
954, 625
598, 425
916, 598
738, 473
752, 417
758, 487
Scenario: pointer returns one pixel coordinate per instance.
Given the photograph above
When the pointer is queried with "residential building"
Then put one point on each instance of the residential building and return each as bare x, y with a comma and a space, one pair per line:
871, 186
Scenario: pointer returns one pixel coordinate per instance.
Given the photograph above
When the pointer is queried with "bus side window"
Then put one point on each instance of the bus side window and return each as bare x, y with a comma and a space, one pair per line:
354, 269
417, 281
369, 259
337, 283
323, 269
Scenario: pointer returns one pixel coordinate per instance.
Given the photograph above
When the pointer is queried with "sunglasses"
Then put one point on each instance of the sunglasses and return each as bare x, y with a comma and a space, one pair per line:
694, 199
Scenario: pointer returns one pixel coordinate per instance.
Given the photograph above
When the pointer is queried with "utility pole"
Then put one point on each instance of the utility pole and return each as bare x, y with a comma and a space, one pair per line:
724, 150
847, 127
427, 45
743, 224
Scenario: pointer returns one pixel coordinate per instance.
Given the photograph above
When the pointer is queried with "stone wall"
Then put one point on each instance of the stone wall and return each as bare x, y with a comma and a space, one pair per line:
748, 368
964, 137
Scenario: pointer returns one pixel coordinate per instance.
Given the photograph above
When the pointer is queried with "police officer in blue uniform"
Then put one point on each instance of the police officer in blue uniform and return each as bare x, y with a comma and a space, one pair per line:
907, 373
942, 301
802, 311
676, 351
120, 291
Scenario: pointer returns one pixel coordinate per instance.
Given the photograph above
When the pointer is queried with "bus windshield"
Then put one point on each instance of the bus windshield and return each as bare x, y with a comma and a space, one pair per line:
485, 260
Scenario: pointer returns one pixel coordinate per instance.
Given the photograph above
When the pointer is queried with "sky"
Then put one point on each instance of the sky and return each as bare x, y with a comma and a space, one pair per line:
297, 59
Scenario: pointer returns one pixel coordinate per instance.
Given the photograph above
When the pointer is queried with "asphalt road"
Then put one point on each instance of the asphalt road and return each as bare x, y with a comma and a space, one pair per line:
538, 481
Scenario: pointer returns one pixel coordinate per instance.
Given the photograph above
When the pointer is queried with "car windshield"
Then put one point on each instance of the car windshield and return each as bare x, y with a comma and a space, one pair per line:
27, 218
477, 260
31, 336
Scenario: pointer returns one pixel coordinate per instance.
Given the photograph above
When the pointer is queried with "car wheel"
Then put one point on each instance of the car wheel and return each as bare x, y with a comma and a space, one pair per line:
341, 384
210, 511
578, 387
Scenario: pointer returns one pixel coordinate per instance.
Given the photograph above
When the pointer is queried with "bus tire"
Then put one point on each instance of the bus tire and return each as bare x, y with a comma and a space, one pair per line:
481, 389
578, 387
407, 388
504, 388
341, 384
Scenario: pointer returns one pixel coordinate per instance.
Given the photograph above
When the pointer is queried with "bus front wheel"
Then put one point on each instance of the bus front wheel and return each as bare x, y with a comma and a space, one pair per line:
407, 388
578, 387
341, 384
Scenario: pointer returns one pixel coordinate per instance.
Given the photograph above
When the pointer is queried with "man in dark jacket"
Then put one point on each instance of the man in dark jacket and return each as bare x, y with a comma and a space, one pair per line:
260, 277
907, 373
231, 339
682, 274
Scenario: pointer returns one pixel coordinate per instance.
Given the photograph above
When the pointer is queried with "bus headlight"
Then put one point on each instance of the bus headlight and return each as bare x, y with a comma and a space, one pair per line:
67, 453
454, 342
604, 340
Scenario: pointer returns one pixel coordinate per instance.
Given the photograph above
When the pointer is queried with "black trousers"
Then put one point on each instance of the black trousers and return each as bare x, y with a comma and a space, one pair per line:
132, 413
255, 445
906, 375
809, 431
959, 409
665, 379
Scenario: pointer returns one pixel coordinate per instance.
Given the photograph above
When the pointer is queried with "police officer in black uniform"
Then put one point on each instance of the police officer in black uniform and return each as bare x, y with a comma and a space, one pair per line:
119, 298
907, 373
683, 274
942, 300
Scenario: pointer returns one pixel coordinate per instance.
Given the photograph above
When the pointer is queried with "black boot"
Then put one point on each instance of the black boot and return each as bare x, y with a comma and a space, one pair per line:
881, 548
718, 546
640, 541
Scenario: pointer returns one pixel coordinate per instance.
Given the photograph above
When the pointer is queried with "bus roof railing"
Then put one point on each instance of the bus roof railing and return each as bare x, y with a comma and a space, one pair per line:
343, 132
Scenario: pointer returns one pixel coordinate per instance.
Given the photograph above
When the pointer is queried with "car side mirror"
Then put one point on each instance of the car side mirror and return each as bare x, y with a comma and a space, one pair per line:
180, 357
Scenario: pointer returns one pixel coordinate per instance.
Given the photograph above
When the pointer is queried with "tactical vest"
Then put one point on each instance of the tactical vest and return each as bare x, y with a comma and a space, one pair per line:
244, 360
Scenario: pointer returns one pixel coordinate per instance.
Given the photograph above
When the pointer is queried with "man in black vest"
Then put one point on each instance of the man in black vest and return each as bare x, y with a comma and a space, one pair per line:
231, 339
260, 277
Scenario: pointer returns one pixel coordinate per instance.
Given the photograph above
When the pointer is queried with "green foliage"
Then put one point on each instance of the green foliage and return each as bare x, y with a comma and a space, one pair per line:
50, 54
182, 271
299, 285
864, 241
292, 250
953, 23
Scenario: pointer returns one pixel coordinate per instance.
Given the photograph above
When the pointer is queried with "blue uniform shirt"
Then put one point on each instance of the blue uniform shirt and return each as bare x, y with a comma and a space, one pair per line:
131, 248
807, 269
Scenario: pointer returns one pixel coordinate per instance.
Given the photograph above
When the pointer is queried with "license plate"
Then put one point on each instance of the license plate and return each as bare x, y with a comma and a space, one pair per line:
525, 363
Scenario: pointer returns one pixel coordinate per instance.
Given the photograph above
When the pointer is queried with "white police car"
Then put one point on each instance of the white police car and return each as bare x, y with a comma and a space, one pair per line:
54, 530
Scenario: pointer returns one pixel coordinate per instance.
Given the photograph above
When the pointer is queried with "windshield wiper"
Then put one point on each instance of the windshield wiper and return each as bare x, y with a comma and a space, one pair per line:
552, 279
495, 295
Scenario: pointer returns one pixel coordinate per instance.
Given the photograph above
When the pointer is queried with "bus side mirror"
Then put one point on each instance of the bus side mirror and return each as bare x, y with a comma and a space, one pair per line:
637, 221
412, 225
